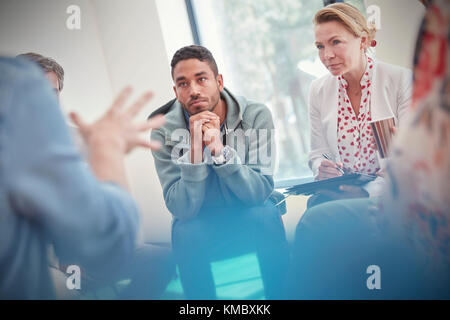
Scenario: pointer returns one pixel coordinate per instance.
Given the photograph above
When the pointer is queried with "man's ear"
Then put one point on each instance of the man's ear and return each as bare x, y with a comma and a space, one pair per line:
219, 80
175, 90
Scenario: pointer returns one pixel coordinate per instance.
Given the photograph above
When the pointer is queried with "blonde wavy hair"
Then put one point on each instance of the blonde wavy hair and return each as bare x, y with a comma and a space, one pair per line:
350, 17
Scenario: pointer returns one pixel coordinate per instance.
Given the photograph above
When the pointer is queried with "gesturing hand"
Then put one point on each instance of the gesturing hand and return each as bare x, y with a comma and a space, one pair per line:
114, 135
116, 129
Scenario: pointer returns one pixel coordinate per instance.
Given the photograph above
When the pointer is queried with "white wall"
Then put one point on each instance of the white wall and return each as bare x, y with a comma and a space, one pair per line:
400, 21
175, 25
40, 26
135, 54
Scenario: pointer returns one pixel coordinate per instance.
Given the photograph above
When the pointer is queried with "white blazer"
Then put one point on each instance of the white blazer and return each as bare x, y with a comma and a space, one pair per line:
390, 96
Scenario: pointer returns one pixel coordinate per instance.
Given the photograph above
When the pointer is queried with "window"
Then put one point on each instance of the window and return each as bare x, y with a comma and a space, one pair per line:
265, 51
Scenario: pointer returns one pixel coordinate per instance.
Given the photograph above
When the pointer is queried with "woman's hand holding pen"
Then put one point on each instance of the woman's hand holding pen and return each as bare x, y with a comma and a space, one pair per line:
329, 169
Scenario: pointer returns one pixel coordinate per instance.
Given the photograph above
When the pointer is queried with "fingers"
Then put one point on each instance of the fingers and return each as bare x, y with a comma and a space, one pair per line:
155, 122
210, 126
211, 135
196, 131
381, 173
327, 174
197, 136
210, 130
216, 123
76, 119
140, 141
119, 102
203, 119
206, 126
206, 115
199, 123
141, 102
328, 163
152, 144
329, 171
210, 114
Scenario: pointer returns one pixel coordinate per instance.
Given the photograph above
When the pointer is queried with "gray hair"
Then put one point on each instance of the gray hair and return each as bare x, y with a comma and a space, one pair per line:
47, 65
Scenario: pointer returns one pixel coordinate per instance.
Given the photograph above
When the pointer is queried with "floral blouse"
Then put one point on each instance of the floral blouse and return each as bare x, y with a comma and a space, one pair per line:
355, 138
419, 170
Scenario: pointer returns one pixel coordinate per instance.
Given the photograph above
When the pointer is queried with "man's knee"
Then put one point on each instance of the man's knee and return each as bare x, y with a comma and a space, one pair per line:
264, 221
264, 215
334, 213
189, 233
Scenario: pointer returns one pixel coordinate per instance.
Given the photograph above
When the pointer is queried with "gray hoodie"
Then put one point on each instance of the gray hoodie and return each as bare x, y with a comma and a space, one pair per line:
245, 180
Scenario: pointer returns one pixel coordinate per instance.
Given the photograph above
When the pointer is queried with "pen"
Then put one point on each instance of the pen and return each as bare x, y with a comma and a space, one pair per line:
283, 199
337, 167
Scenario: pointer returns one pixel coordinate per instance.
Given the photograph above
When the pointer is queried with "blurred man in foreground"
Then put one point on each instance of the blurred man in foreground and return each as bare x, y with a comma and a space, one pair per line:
49, 196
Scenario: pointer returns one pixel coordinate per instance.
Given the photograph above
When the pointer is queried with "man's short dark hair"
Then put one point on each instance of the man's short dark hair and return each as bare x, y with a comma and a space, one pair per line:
195, 52
47, 65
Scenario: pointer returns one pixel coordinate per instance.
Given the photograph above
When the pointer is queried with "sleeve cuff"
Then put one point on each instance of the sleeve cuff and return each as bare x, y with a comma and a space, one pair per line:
192, 172
230, 167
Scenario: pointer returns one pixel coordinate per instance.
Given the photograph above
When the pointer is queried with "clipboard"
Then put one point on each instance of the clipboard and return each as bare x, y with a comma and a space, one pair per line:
355, 179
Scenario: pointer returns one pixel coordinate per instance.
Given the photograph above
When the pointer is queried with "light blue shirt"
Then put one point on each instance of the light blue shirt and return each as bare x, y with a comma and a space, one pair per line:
48, 196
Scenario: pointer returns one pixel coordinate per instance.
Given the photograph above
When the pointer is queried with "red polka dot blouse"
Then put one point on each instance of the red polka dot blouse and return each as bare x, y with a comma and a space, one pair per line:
355, 138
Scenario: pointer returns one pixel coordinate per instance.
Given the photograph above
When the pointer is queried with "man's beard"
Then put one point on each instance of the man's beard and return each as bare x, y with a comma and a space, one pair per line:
210, 108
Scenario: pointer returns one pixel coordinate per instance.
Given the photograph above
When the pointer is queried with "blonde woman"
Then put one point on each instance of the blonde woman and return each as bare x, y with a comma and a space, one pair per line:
358, 89
407, 233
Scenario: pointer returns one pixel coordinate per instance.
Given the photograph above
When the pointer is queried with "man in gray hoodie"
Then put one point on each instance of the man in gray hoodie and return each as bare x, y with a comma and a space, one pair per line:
215, 168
